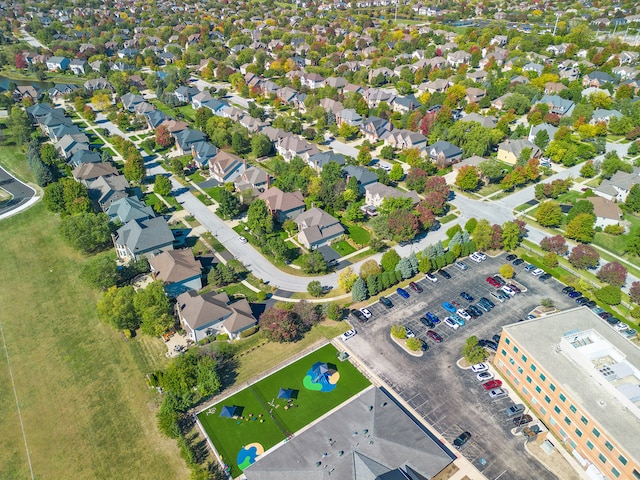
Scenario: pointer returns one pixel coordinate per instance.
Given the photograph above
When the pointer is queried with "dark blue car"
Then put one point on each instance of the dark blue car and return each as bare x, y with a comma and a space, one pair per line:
402, 292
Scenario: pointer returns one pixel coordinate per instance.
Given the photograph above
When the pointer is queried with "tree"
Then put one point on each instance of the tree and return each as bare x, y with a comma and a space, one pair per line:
87, 232
611, 164
581, 206
313, 262
364, 155
396, 172
610, 295
386, 152
89, 113
259, 217
153, 309
613, 273
403, 225
359, 291
482, 234
101, 101
584, 257
163, 137
134, 168
510, 236
634, 292
556, 244
370, 267
390, 260
472, 351
20, 61
633, 198
348, 132
314, 288
588, 170
470, 225
19, 125
162, 185
48, 154
549, 214
398, 331
221, 275
468, 178
335, 311
581, 228
261, 146
346, 279
280, 325
100, 272
541, 140
550, 260
228, 204
116, 307
506, 270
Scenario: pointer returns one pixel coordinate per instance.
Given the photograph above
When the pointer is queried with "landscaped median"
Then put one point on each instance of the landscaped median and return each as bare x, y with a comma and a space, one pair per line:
411, 345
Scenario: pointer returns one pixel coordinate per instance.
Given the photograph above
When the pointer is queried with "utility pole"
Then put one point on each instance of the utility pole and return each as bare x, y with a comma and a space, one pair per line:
555, 27
396, 17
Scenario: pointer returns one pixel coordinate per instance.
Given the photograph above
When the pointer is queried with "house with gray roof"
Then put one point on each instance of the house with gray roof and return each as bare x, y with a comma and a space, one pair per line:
283, 205
604, 115
202, 153
293, 146
375, 194
405, 139
70, 144
348, 116
94, 84
154, 118
84, 156
58, 63
184, 94
251, 182
143, 238
79, 66
317, 228
187, 137
550, 129
558, 105
178, 270
363, 175
485, 121
105, 190
374, 128
509, 151
130, 100
596, 79
617, 187
444, 153
129, 208
211, 313
319, 160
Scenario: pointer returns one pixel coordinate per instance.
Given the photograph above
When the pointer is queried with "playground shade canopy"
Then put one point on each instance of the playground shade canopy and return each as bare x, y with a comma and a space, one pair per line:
228, 411
320, 372
285, 393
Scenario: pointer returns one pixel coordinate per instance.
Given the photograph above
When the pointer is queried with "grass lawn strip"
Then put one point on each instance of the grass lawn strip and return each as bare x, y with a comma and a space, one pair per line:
359, 235
231, 435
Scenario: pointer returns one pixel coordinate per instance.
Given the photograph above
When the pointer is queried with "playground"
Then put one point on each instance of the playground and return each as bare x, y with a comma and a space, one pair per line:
253, 420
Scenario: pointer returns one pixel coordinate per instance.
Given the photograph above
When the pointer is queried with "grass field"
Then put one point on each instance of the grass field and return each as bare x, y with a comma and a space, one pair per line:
12, 158
86, 410
343, 248
231, 435
359, 235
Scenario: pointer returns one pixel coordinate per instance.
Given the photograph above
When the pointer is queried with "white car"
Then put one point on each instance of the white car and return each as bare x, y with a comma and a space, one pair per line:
451, 323
409, 332
479, 367
461, 265
242, 239
463, 313
475, 258
484, 376
480, 255
347, 335
431, 278
537, 271
620, 326
366, 312
508, 290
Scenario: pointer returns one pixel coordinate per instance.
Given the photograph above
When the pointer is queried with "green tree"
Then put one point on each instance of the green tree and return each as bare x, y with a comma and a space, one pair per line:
346, 279
48, 154
116, 307
588, 170
549, 214
483, 234
359, 291
134, 169
228, 204
314, 288
387, 152
348, 132
100, 272
390, 260
259, 217
581, 228
581, 206
162, 185
370, 267
609, 294
468, 178
472, 351
261, 146
364, 155
541, 140
19, 125
397, 173
87, 232
313, 262
470, 225
511, 236
633, 198
550, 260
335, 311
398, 331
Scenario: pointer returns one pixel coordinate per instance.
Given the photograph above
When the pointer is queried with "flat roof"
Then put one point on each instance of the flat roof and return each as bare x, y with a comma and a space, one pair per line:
365, 439
577, 348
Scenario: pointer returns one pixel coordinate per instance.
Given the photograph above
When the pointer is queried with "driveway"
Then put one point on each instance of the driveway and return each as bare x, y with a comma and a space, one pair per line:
21, 192
448, 397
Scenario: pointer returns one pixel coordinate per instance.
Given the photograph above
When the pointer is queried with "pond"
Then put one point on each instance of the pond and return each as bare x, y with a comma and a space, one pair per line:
4, 83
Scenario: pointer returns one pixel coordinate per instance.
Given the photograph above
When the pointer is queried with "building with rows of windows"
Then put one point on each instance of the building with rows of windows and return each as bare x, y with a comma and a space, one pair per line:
582, 378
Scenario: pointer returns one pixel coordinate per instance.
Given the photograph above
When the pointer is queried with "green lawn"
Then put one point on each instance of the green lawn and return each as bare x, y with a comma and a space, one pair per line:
343, 248
359, 235
150, 199
12, 158
230, 435
448, 218
214, 192
86, 410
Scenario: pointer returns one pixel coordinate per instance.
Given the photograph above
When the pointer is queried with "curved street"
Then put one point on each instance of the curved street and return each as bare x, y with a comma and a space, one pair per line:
22, 195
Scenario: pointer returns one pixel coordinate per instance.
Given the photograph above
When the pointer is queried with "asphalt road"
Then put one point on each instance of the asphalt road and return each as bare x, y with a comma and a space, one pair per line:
21, 192
448, 397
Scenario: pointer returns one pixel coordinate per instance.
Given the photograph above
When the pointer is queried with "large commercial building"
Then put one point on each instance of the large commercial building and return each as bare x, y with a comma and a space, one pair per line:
582, 379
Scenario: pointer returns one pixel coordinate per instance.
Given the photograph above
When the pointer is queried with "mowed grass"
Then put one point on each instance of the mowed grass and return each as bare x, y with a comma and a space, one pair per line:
230, 435
86, 410
12, 159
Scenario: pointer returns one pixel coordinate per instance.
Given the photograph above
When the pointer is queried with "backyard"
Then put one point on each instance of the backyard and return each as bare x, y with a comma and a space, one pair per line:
262, 420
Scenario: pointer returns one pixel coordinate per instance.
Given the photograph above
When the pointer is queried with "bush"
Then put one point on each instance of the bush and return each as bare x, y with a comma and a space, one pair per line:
506, 270
550, 260
315, 288
610, 295
248, 332
222, 337
398, 331
614, 229
335, 311
635, 312
261, 296
414, 344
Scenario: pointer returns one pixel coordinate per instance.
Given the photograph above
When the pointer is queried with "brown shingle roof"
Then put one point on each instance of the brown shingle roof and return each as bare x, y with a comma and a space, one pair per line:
175, 265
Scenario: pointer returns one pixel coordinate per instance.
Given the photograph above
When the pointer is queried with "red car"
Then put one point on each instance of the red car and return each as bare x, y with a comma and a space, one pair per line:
492, 384
491, 281
434, 336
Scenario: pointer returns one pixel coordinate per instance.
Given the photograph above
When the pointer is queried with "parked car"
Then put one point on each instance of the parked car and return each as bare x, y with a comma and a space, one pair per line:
590, 304
425, 321
461, 440
461, 265
434, 318
502, 295
444, 274
358, 315
402, 292
480, 255
513, 287
431, 278
451, 323
517, 261
483, 306
466, 296
448, 307
434, 336
500, 280
497, 393
568, 289
415, 287
581, 300
366, 312
473, 310
491, 384
508, 291
491, 345
491, 281
479, 367
511, 257
484, 376
348, 334
496, 338
544, 277
621, 326
605, 315
529, 268
487, 302
423, 345
462, 313
537, 271
456, 318
410, 333
386, 302
522, 420
574, 294
475, 258
498, 297
514, 410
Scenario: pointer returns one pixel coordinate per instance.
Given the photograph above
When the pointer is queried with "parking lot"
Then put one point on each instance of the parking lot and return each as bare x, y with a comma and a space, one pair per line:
448, 397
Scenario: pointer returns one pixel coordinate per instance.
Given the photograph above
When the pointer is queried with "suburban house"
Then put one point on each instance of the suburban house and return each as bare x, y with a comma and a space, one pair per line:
348, 116
185, 94
94, 84
509, 151
558, 105
70, 144
154, 118
129, 208
283, 205
225, 167
143, 238
104, 191
292, 146
211, 314
617, 187
179, 271
88, 172
550, 129
596, 79
79, 66
606, 211
84, 156
604, 115
130, 100
58, 63
363, 175
203, 153
374, 128
474, 95
319, 160
312, 80
187, 137
444, 153
317, 228
485, 121
251, 182
375, 194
